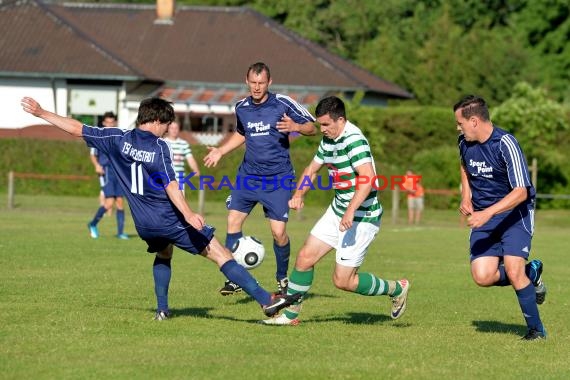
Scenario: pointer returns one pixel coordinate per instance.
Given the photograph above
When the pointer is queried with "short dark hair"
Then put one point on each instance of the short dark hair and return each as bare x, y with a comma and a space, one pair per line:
109, 114
153, 109
472, 105
258, 68
331, 105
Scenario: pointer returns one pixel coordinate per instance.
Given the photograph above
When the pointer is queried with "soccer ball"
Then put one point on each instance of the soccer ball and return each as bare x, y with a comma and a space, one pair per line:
248, 252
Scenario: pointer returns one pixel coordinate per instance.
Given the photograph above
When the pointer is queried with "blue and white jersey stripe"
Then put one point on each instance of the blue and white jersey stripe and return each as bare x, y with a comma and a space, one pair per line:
295, 107
512, 153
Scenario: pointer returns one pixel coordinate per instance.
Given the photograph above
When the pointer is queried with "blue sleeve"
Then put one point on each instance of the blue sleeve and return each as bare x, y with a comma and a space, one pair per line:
515, 161
239, 126
295, 111
101, 139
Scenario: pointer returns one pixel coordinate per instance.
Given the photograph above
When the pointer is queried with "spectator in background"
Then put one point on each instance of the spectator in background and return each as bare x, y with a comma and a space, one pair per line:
415, 192
181, 151
109, 185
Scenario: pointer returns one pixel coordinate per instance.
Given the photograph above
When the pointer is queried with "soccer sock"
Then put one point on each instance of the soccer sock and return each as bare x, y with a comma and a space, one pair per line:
299, 282
120, 221
529, 308
231, 239
98, 215
161, 271
282, 254
503, 279
239, 275
370, 285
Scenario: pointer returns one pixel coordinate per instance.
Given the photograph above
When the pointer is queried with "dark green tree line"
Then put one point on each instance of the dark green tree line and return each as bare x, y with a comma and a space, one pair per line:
437, 49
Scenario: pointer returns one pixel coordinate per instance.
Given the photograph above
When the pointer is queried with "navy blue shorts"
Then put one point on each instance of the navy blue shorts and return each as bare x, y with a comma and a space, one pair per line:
110, 185
504, 235
273, 193
184, 236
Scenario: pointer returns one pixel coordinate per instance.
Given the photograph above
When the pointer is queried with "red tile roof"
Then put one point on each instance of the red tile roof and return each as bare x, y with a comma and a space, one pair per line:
212, 46
35, 41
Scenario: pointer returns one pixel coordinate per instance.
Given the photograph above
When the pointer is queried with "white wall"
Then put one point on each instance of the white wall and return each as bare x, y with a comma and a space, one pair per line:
13, 90
92, 100
57, 96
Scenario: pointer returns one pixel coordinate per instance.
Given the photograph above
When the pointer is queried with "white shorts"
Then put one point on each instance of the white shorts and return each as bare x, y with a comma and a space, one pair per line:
351, 246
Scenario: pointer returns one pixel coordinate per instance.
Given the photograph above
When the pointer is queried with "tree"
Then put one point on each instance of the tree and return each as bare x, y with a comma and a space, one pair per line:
535, 119
538, 123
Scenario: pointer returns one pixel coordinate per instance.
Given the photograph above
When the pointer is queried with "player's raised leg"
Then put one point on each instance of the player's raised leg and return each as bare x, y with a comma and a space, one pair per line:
488, 270
237, 274
534, 272
301, 279
368, 284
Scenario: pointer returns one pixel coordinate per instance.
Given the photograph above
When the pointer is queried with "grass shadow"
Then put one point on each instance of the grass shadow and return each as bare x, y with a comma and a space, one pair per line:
498, 327
355, 319
196, 312
203, 313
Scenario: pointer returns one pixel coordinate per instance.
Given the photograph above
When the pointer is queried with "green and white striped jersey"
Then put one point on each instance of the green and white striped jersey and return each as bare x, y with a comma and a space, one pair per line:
180, 151
341, 156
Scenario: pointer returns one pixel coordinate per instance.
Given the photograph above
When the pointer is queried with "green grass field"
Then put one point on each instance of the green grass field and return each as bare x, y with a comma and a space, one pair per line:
76, 308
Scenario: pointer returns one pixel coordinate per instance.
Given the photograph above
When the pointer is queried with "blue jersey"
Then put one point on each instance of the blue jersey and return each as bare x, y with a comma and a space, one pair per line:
102, 158
494, 168
267, 149
143, 164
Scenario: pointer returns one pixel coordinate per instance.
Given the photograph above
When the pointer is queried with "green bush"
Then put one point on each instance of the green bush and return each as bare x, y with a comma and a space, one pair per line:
47, 157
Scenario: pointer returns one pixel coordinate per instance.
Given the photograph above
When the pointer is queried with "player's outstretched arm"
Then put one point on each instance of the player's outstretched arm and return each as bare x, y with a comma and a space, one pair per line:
215, 154
67, 124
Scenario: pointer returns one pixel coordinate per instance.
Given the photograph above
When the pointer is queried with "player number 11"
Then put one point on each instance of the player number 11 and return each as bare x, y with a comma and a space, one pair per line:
137, 179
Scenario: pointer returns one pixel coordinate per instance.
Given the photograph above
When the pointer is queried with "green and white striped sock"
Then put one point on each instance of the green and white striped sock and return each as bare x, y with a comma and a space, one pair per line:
299, 282
370, 285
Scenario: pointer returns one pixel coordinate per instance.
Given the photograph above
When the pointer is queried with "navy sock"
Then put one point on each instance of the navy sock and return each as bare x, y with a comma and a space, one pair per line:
239, 275
282, 254
161, 271
231, 239
503, 279
98, 215
529, 308
120, 221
